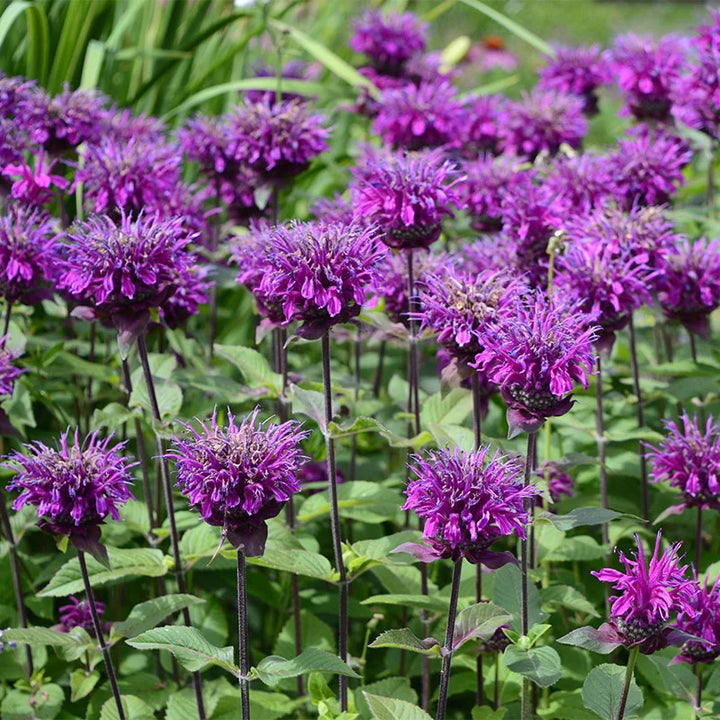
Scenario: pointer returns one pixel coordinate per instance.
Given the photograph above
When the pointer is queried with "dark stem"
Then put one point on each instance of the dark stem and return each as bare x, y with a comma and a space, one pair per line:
693, 348
698, 538
335, 519
15, 572
645, 498
99, 635
448, 647
698, 692
477, 430
628, 679
243, 657
710, 186
6, 326
356, 395
477, 415
169, 508
524, 586
600, 424
379, 372
496, 689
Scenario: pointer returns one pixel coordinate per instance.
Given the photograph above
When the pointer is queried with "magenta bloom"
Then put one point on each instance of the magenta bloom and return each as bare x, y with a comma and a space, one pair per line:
123, 126
482, 124
78, 614
649, 595
314, 273
291, 70
9, 372
703, 622
333, 210
239, 476
541, 122
647, 167
405, 195
540, 349
420, 116
582, 182
689, 284
647, 70
468, 501
576, 71
28, 252
276, 141
689, 459
193, 290
207, 141
34, 185
559, 482
388, 41
74, 487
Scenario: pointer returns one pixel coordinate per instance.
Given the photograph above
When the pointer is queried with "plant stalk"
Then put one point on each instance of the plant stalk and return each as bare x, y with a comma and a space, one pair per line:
243, 643
600, 424
628, 679
524, 586
448, 647
698, 692
645, 498
477, 431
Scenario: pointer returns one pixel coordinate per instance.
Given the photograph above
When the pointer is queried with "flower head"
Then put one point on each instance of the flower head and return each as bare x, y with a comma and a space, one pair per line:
481, 126
649, 595
193, 290
405, 195
559, 482
75, 486
333, 210
123, 126
468, 500
689, 459
78, 614
388, 41
9, 372
540, 349
703, 622
582, 182
207, 141
291, 70
34, 185
240, 475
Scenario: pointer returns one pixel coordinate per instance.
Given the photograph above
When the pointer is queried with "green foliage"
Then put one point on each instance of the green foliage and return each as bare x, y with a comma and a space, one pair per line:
602, 691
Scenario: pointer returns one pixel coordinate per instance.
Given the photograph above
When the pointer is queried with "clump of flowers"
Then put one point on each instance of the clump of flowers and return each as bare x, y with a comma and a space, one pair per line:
703, 622
559, 482
388, 41
78, 614
9, 372
75, 486
542, 121
34, 184
689, 284
582, 182
468, 500
576, 71
333, 210
481, 126
240, 475
414, 117
314, 273
405, 195
689, 459
650, 594
192, 291
541, 347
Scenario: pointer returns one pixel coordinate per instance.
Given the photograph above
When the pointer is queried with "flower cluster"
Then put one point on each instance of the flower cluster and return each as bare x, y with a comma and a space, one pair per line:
582, 182
468, 501
703, 622
240, 475
559, 482
481, 126
9, 372
78, 614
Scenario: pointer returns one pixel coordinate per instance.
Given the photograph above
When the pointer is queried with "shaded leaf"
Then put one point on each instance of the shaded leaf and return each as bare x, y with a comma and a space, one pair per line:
541, 664
147, 615
581, 516
405, 639
602, 691
478, 622
589, 638
385, 708
274, 668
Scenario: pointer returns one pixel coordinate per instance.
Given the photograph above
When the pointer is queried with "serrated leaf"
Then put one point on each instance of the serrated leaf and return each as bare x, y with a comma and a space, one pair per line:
420, 602
398, 688
169, 398
274, 668
478, 622
579, 548
147, 615
133, 706
405, 639
254, 367
540, 664
47, 702
602, 691
385, 708
40, 636
450, 408
310, 403
82, 683
188, 645
299, 562
507, 594
568, 597
123, 563
360, 500
358, 425
581, 516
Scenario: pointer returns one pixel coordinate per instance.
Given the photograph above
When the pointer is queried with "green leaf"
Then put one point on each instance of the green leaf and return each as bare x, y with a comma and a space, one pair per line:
540, 664
254, 367
328, 58
40, 636
169, 398
82, 683
569, 598
602, 691
76, 27
589, 638
398, 688
385, 708
133, 706
310, 403
405, 639
487, 713
581, 516
447, 409
123, 563
421, 602
147, 615
44, 704
579, 548
299, 562
515, 28
507, 594
38, 34
271, 670
358, 425
359, 500
92, 65
188, 645
478, 622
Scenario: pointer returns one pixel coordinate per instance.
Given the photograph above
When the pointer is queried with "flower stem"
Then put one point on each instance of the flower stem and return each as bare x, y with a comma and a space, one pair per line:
377, 384
243, 657
6, 325
357, 346
641, 419
449, 633
15, 572
698, 538
693, 348
169, 508
477, 430
600, 423
100, 636
524, 586
335, 519
628, 679
698, 692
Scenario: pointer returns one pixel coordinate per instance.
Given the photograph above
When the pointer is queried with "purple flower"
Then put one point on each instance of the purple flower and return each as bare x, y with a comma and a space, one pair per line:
559, 482
646, 70
239, 476
647, 167
120, 271
14, 93
28, 253
291, 70
703, 622
405, 195
78, 614
576, 71
74, 487
388, 41
33, 186
314, 273
9, 372
207, 141
649, 595
276, 141
420, 116
540, 349
468, 500
491, 54
541, 122
582, 182
482, 124
689, 284
11, 146
335, 210
192, 291
689, 459
496, 252
123, 126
